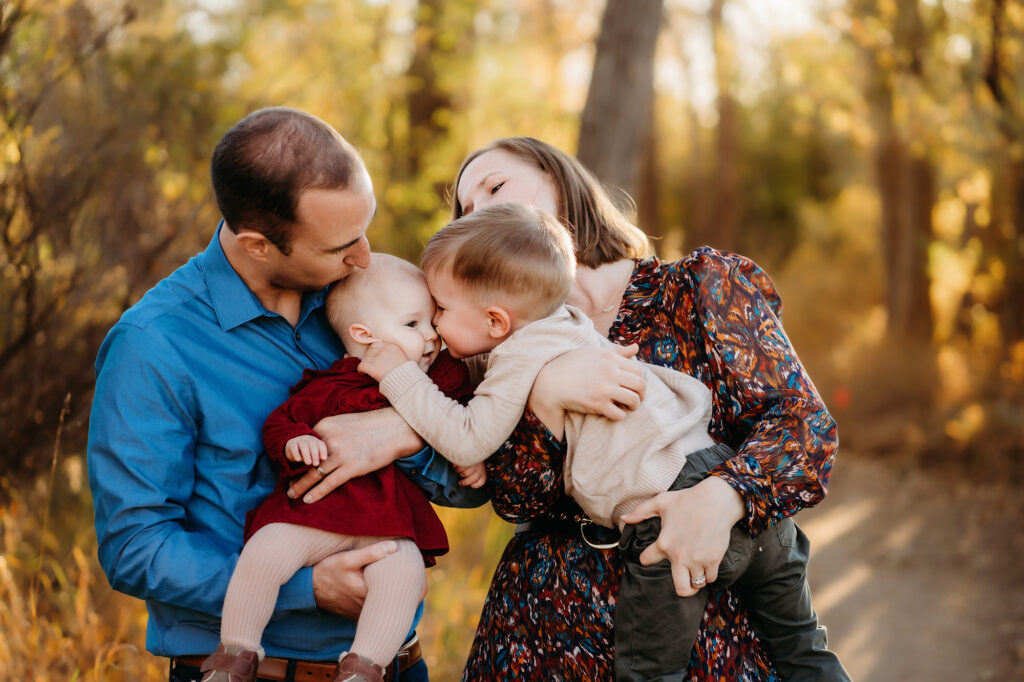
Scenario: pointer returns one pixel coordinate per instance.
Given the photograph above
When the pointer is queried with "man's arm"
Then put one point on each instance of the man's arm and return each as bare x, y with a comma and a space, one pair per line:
362, 442
141, 456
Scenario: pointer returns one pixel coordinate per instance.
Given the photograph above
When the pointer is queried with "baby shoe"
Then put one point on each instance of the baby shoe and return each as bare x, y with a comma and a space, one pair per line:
232, 664
354, 668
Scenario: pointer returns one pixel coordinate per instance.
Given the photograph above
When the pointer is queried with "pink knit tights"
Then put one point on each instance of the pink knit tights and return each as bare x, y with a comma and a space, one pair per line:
273, 555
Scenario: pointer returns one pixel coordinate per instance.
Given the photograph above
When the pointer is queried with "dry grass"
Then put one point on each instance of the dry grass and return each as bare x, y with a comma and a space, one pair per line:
59, 619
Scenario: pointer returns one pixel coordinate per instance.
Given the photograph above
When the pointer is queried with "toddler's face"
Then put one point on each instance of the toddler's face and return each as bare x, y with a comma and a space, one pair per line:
406, 321
461, 319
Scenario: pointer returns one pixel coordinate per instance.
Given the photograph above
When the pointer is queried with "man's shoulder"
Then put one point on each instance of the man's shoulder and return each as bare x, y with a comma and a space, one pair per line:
182, 294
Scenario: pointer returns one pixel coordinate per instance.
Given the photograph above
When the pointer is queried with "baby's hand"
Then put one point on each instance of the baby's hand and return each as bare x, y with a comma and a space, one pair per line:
308, 449
474, 475
380, 358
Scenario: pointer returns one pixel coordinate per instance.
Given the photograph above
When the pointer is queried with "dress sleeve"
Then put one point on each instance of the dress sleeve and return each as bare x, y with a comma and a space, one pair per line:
283, 424
784, 462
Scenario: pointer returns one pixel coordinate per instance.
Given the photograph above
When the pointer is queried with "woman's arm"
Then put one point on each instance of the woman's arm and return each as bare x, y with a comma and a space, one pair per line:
785, 460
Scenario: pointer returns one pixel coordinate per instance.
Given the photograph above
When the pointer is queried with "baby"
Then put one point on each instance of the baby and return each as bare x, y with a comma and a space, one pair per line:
500, 277
387, 302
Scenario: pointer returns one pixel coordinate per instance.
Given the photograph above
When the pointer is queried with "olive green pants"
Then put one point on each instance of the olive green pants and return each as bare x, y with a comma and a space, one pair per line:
655, 629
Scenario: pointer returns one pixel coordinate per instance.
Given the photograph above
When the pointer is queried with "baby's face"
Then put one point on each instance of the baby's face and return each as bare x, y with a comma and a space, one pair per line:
461, 319
406, 321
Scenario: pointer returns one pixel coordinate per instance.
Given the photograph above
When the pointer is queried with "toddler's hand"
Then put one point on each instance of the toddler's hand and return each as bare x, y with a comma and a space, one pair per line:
307, 449
474, 475
380, 358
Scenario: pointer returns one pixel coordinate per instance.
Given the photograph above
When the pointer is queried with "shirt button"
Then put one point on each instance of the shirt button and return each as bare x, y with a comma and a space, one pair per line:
298, 336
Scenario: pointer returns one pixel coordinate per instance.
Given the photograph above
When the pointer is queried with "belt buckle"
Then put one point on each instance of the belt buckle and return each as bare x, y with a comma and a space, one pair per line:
596, 545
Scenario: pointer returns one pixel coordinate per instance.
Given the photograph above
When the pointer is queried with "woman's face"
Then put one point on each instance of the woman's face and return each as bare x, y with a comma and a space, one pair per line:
498, 176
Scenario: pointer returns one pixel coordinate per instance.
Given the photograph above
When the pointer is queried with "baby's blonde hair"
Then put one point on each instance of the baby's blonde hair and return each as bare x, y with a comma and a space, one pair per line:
348, 300
512, 252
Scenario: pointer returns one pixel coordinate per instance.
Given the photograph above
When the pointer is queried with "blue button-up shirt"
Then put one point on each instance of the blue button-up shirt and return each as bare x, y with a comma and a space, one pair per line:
184, 383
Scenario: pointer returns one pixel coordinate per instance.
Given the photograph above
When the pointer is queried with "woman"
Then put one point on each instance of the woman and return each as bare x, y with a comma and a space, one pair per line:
549, 613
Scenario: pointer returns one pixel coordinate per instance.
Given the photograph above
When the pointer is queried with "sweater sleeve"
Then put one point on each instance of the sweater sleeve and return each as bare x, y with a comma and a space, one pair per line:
463, 434
783, 465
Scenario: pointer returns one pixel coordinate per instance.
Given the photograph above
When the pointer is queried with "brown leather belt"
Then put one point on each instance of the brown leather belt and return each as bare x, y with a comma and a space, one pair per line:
289, 670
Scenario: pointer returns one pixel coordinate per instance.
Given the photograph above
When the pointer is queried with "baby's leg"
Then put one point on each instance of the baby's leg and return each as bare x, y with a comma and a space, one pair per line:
268, 560
394, 589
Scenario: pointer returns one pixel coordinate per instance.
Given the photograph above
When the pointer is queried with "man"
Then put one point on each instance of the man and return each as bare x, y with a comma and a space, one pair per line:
188, 375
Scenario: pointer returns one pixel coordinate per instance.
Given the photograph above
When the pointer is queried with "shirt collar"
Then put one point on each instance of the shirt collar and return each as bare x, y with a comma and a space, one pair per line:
233, 301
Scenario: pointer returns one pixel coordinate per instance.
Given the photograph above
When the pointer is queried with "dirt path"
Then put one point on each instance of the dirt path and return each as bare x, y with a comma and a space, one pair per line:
917, 577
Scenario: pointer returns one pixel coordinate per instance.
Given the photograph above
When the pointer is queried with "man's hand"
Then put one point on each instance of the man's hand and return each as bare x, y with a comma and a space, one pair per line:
307, 449
695, 527
338, 582
473, 475
589, 380
380, 358
356, 445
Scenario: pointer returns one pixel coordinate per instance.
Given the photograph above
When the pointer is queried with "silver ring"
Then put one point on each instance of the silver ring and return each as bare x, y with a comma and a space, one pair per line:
699, 580
321, 471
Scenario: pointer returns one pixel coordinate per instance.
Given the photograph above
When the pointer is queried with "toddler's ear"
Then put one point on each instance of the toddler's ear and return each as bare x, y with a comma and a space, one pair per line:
499, 322
360, 333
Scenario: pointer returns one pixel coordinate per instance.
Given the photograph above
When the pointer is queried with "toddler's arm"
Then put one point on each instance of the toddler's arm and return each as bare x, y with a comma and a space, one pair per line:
463, 434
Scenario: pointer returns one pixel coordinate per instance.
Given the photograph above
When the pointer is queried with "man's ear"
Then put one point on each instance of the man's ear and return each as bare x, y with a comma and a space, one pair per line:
360, 333
254, 244
499, 322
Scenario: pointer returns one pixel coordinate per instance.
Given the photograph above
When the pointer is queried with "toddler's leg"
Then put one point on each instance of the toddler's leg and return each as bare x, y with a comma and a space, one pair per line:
655, 629
268, 560
394, 590
775, 591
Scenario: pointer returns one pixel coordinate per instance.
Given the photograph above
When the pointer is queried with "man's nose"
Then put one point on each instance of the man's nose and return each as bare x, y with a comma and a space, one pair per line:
359, 254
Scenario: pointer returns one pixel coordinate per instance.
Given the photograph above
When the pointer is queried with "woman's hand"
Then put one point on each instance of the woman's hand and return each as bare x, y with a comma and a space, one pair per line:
357, 444
695, 527
589, 380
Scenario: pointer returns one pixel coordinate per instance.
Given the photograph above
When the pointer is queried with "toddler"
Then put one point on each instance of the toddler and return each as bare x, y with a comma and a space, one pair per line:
388, 301
500, 277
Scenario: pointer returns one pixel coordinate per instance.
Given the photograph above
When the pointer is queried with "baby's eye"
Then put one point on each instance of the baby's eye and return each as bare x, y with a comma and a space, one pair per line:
494, 190
412, 324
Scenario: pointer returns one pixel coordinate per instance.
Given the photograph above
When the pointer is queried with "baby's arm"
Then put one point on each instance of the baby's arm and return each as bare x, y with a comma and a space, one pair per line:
463, 434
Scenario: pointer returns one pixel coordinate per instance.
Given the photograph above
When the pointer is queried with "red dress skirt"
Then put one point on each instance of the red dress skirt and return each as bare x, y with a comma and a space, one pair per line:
383, 503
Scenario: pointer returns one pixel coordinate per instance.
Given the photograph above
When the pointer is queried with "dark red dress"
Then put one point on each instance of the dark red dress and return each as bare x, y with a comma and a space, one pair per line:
382, 503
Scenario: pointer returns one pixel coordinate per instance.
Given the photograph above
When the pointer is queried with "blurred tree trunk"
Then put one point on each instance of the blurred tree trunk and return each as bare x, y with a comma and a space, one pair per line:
720, 231
906, 184
614, 122
1008, 209
420, 123
648, 196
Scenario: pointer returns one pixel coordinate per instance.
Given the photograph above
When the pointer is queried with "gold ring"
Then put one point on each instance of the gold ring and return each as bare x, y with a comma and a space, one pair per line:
321, 471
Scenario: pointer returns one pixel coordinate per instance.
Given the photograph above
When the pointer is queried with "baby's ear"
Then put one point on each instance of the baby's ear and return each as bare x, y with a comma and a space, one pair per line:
360, 333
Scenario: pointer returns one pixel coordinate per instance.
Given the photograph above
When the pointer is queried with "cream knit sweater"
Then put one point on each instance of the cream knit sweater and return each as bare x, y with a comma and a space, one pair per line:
610, 466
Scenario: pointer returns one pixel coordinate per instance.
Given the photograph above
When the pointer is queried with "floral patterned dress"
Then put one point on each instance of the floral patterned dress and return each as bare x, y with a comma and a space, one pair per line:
550, 611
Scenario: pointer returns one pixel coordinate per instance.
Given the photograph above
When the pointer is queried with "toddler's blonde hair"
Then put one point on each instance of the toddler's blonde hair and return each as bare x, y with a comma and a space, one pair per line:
510, 253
